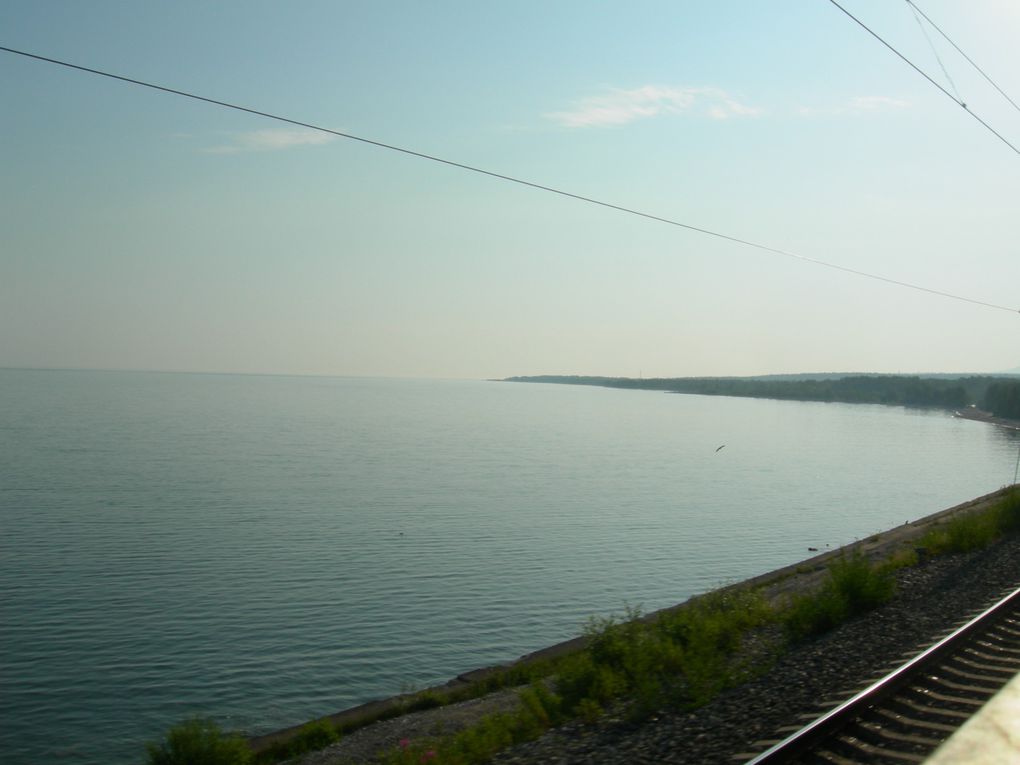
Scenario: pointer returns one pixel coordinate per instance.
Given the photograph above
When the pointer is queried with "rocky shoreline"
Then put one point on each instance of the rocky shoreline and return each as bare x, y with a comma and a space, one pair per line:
980, 415
829, 668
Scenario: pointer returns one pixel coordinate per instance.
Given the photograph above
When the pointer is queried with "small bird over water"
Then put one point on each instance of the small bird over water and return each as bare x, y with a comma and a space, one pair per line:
721, 447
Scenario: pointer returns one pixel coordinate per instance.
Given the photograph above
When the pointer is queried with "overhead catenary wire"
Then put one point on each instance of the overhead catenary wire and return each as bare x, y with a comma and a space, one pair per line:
921, 72
960, 51
935, 52
508, 178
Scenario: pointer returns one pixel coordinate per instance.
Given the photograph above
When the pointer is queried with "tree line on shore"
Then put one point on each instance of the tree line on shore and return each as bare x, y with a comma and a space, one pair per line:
1003, 399
1000, 396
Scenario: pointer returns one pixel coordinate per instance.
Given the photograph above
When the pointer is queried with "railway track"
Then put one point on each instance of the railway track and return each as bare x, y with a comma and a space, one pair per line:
906, 714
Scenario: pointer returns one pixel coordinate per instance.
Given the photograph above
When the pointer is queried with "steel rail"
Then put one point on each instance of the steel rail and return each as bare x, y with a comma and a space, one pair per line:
804, 739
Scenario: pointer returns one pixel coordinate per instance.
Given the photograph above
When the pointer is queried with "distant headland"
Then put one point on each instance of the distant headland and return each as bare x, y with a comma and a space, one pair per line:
978, 396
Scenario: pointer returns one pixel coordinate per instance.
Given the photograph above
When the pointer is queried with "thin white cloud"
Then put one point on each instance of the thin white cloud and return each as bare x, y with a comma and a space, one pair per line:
271, 140
873, 103
857, 105
619, 107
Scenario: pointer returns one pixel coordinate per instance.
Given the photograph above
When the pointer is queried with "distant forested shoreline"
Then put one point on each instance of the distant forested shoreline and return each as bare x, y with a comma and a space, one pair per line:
998, 395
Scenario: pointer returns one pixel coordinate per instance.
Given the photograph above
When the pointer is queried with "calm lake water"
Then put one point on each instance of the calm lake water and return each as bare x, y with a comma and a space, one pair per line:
265, 550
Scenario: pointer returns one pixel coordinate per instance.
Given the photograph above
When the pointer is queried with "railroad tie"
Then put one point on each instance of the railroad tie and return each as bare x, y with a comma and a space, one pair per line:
906, 738
916, 722
880, 751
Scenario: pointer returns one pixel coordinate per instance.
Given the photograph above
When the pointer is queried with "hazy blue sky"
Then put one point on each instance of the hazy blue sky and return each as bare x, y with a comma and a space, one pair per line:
144, 231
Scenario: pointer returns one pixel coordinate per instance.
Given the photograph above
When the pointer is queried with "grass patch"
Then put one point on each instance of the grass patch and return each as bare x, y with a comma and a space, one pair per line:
426, 700
905, 557
314, 736
539, 710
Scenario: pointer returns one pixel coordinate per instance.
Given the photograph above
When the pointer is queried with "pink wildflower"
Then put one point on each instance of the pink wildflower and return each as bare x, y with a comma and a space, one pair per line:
429, 755
404, 743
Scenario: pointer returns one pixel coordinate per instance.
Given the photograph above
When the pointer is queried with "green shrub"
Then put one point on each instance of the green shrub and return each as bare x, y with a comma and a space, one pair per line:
315, 735
580, 678
1007, 512
863, 586
542, 704
853, 586
199, 742
709, 634
589, 710
716, 622
961, 534
814, 614
681, 659
976, 530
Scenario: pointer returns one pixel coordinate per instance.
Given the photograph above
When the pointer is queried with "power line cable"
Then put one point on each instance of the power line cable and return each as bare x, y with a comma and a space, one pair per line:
969, 59
921, 72
938, 58
510, 179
